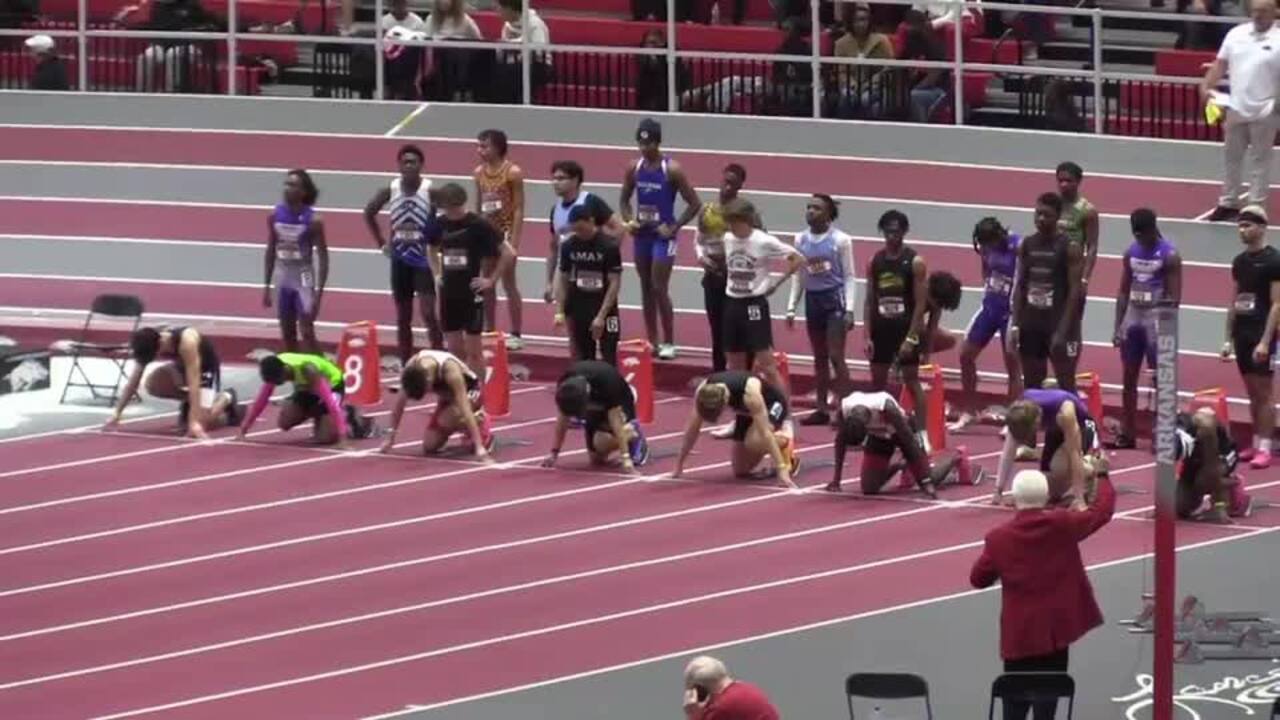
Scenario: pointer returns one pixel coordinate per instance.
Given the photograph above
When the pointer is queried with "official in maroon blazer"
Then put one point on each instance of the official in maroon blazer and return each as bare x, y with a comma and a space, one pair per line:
1047, 601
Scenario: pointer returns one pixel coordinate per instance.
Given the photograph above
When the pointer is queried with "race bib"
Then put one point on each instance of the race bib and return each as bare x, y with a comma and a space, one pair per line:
1246, 302
1141, 297
647, 214
288, 252
817, 266
1040, 297
999, 284
742, 287
590, 280
713, 245
753, 313
407, 235
491, 203
307, 279
454, 259
611, 324
892, 307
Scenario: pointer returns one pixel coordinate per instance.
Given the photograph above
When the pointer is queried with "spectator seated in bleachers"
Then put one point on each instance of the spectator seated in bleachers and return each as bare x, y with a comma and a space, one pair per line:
792, 90
928, 85
508, 82
50, 72
857, 91
174, 59
403, 62
449, 76
651, 75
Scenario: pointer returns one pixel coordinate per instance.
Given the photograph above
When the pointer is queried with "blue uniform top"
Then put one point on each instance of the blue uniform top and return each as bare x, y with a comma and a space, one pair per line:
655, 197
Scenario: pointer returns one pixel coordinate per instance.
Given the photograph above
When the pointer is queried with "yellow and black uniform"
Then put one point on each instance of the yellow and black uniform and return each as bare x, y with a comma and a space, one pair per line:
895, 305
302, 396
496, 203
464, 245
587, 265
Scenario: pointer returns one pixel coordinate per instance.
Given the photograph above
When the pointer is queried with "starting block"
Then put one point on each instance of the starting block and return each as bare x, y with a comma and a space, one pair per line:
360, 361
935, 422
497, 374
1193, 618
635, 362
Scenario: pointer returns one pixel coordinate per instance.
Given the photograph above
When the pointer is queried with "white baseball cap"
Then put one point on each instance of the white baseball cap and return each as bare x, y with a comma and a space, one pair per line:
40, 43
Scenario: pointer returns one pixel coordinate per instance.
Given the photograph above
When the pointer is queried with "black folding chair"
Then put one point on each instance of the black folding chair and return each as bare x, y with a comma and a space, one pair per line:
887, 686
117, 307
1275, 709
1032, 688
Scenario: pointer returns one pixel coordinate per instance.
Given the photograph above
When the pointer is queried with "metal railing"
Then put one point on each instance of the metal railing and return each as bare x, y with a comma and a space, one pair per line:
815, 85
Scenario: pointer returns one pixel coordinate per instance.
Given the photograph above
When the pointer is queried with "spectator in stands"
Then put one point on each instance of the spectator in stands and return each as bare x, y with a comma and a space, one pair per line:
1060, 111
1047, 602
793, 81
403, 62
711, 694
174, 58
450, 77
509, 82
928, 85
1249, 55
651, 75
17, 13
50, 71
1200, 35
858, 86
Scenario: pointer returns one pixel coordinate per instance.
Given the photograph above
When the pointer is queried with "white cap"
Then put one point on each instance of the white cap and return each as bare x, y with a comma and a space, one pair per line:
1030, 490
40, 43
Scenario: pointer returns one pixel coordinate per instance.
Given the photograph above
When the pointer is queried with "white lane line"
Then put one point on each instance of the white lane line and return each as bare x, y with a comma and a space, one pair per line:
413, 562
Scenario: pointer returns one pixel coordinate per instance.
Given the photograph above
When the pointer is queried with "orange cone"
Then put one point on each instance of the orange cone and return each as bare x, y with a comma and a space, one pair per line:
784, 371
1214, 398
359, 360
936, 412
1089, 387
497, 375
635, 362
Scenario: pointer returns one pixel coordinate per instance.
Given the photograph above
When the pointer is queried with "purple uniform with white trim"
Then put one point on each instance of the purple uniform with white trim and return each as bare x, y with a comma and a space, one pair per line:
294, 276
1050, 402
999, 267
1146, 289
655, 205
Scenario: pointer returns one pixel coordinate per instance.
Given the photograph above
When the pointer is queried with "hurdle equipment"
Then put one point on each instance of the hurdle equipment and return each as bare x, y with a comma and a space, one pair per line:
935, 422
1089, 388
360, 361
635, 362
497, 374
784, 371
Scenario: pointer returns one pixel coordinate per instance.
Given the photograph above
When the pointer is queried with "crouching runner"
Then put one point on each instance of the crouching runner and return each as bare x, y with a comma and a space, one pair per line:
1208, 458
596, 394
459, 407
317, 396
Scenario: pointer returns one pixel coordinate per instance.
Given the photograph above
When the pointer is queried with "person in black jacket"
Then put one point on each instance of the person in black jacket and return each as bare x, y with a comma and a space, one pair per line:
50, 72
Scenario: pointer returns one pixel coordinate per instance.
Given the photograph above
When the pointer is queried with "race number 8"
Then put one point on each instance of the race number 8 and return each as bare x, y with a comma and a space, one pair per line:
353, 373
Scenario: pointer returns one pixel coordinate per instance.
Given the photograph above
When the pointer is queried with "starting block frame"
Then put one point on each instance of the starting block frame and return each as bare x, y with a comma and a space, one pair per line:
1237, 635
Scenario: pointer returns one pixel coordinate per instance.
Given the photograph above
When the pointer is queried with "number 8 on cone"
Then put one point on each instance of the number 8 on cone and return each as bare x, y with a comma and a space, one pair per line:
358, 358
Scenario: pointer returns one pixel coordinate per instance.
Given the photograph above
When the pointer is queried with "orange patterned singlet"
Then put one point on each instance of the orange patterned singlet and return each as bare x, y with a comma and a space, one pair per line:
496, 197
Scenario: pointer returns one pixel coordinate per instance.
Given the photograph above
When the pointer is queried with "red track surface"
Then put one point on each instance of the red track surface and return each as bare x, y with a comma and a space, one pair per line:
431, 567
888, 179
346, 229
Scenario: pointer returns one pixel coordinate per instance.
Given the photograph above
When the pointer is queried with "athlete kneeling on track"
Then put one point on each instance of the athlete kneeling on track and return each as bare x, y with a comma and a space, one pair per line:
596, 394
1199, 437
1070, 437
761, 426
458, 403
192, 366
878, 423
317, 396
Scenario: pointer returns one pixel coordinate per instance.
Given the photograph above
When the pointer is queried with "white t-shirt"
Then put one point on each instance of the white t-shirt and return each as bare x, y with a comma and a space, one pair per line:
411, 22
877, 403
747, 260
1253, 68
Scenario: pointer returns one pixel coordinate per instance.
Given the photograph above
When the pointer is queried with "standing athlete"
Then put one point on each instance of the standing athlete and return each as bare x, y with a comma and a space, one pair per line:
1251, 327
318, 390
566, 182
471, 257
193, 366
458, 404
655, 180
710, 252
1152, 277
998, 251
761, 426
597, 395
1079, 222
748, 326
1046, 300
295, 245
500, 200
894, 308
412, 214
587, 289
827, 282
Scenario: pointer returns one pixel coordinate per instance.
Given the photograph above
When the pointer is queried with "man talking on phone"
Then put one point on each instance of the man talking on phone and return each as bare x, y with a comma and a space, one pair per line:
711, 694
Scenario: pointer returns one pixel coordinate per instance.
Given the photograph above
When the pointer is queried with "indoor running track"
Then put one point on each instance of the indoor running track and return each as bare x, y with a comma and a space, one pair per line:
144, 575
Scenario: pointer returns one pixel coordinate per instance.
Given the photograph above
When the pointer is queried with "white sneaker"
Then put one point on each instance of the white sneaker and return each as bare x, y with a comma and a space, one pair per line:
723, 433
965, 420
667, 352
515, 342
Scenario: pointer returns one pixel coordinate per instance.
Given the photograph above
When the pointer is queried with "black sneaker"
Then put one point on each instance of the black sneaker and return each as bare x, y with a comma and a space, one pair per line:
1223, 214
817, 418
184, 411
234, 415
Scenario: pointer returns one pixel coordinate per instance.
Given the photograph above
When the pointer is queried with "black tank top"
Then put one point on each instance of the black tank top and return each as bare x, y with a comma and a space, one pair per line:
895, 286
208, 357
736, 381
1046, 280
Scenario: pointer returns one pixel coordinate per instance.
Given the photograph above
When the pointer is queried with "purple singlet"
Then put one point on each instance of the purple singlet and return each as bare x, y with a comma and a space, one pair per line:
1146, 266
999, 267
294, 275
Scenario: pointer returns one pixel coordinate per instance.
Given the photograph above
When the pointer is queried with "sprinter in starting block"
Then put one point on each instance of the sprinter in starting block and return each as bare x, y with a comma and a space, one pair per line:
459, 407
1070, 437
1208, 457
318, 390
761, 424
878, 423
595, 393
